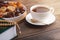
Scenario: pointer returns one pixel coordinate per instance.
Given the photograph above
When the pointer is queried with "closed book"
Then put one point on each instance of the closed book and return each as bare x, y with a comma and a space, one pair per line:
7, 33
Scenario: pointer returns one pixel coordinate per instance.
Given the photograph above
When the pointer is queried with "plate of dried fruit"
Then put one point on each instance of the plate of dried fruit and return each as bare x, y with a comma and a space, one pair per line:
12, 10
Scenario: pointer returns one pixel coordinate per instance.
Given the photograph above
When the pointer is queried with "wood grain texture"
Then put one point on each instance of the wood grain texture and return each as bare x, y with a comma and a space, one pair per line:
51, 35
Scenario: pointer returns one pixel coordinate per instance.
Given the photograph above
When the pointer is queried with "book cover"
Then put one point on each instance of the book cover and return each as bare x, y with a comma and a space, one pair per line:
8, 33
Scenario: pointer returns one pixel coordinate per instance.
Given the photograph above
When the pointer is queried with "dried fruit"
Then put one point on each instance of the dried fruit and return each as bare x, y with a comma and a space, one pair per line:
11, 8
2, 9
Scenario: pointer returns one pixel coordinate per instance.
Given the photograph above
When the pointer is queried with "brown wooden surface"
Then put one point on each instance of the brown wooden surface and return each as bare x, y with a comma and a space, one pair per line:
44, 31
31, 30
51, 35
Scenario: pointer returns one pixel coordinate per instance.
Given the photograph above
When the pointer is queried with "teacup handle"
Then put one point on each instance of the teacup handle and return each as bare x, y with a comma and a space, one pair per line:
52, 10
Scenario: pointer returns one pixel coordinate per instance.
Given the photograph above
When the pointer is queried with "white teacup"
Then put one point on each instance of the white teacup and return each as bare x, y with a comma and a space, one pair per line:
40, 12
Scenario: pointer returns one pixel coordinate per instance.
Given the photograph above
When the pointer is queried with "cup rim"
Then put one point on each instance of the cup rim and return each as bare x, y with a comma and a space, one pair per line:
34, 6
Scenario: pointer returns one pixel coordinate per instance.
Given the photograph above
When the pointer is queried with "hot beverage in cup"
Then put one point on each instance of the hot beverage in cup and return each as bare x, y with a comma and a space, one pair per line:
40, 9
41, 12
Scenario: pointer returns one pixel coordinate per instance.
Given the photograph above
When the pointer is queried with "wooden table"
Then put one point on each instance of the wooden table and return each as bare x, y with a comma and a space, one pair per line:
31, 32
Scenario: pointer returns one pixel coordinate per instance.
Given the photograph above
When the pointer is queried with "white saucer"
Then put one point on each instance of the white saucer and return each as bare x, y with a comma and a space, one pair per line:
49, 20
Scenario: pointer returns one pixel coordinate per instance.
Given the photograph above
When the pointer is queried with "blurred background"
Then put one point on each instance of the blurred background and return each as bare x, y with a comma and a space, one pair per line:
53, 3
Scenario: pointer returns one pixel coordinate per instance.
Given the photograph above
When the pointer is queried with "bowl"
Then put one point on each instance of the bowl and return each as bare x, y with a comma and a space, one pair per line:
18, 18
